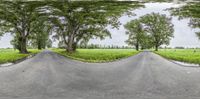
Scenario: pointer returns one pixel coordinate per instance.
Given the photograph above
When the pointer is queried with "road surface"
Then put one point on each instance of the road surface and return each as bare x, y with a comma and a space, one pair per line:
143, 76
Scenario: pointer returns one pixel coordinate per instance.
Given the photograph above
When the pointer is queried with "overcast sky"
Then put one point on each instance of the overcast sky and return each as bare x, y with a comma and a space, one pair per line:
183, 35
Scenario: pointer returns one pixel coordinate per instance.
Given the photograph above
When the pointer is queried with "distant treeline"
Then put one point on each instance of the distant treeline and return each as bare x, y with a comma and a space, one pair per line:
98, 46
178, 47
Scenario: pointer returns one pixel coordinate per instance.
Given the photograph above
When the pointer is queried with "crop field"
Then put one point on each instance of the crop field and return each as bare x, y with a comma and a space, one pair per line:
11, 55
98, 55
183, 55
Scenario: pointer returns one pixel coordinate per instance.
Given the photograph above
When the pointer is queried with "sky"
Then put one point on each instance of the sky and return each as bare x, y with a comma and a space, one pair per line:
183, 34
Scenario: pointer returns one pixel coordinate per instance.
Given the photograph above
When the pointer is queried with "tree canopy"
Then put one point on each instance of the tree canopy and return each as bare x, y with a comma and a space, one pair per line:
150, 30
79, 21
190, 10
136, 33
17, 17
159, 27
72, 21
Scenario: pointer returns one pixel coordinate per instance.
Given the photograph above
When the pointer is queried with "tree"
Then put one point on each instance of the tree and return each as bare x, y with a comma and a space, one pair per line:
1, 33
79, 21
198, 34
191, 10
136, 33
17, 17
49, 43
159, 27
157, 0
15, 43
195, 23
146, 42
42, 31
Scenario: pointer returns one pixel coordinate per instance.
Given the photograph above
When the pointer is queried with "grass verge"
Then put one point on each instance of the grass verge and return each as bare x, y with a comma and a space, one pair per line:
11, 55
97, 55
183, 55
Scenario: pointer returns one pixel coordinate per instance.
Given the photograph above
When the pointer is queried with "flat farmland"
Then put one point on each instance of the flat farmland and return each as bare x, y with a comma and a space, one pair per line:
97, 55
183, 55
11, 55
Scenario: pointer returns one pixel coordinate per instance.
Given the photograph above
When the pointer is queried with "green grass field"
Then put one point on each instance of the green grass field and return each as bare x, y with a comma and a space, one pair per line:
183, 55
98, 55
11, 55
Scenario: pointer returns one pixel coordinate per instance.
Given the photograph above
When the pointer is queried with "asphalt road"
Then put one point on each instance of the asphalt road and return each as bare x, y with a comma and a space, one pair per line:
143, 76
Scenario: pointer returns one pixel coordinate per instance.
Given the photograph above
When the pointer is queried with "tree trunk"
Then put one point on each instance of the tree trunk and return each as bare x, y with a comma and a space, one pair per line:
22, 45
137, 47
69, 48
39, 45
156, 47
74, 46
69, 44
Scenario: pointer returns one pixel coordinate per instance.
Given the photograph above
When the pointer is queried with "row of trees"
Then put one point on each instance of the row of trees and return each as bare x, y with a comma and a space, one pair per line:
25, 21
151, 30
76, 22
71, 22
99, 46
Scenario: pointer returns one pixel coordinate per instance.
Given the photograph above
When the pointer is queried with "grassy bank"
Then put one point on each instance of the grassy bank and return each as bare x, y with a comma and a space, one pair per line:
11, 55
183, 55
98, 55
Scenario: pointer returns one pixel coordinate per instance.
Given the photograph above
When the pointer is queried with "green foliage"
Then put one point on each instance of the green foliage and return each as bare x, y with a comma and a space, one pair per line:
73, 21
158, 27
40, 38
18, 17
157, 0
135, 32
149, 30
14, 42
198, 34
137, 35
191, 10
184, 55
98, 46
1, 34
147, 42
79, 21
98, 55
10, 55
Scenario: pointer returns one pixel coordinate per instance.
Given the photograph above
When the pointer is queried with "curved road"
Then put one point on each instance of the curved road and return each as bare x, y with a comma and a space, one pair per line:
143, 76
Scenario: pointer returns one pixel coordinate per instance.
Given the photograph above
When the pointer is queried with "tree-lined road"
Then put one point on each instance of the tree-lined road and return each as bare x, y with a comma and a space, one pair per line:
143, 76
